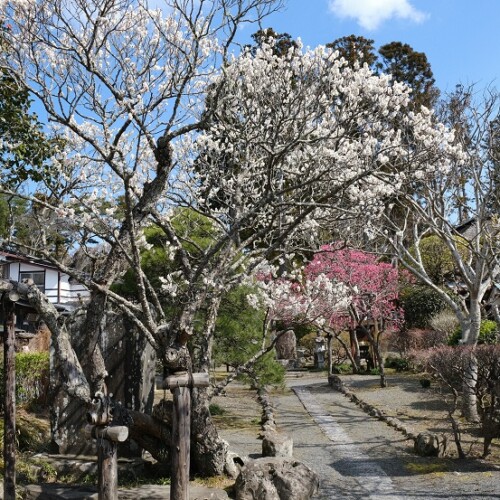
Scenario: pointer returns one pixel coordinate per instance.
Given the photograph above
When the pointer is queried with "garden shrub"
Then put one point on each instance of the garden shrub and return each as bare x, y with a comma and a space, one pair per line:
397, 363
238, 336
32, 378
269, 371
420, 304
32, 434
308, 341
342, 368
448, 365
216, 409
488, 334
266, 371
406, 341
444, 322
437, 258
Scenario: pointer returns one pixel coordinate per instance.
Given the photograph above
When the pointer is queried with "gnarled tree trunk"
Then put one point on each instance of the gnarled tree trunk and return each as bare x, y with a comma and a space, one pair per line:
209, 451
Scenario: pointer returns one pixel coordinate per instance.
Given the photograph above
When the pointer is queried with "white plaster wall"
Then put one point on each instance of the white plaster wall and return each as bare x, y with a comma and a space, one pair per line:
68, 292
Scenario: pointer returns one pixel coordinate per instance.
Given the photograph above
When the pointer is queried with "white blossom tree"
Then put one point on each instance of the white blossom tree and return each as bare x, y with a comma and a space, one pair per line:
157, 114
460, 208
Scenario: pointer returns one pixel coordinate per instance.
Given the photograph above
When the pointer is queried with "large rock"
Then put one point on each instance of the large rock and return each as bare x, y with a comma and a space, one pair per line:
275, 444
430, 445
286, 346
276, 479
336, 382
234, 463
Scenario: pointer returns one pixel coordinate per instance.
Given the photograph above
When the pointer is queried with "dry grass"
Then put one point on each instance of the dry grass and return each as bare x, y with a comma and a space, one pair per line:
240, 409
41, 341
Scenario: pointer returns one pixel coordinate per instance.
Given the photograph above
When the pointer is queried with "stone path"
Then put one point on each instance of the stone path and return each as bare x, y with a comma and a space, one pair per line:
375, 481
359, 457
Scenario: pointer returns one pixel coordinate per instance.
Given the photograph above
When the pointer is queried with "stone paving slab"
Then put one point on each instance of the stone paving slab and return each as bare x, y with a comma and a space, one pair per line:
146, 492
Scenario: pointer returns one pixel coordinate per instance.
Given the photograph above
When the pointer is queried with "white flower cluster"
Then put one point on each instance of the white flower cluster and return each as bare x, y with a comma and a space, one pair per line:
308, 301
298, 130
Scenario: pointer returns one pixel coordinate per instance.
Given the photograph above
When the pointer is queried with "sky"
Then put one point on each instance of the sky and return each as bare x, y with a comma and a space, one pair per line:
461, 38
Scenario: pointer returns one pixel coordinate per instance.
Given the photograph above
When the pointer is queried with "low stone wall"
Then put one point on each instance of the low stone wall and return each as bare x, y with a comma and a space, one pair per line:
274, 443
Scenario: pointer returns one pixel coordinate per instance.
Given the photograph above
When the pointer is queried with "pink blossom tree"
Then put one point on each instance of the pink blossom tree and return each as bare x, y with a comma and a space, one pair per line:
373, 286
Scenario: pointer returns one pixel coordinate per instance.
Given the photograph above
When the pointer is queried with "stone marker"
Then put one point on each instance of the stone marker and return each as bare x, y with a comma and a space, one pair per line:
286, 346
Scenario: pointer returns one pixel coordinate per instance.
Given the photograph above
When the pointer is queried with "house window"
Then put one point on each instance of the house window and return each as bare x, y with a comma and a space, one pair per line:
38, 278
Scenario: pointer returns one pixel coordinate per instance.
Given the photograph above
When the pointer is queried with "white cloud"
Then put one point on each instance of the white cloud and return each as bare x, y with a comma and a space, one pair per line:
370, 14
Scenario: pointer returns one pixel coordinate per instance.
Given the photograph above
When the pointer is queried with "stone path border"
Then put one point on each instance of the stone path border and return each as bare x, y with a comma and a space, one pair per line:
268, 422
426, 444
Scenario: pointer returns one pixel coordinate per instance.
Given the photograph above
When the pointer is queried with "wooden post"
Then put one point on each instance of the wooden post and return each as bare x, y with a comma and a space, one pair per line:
181, 432
107, 457
107, 436
180, 385
9, 439
107, 469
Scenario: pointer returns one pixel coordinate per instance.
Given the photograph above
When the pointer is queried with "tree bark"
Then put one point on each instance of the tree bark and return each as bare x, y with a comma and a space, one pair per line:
375, 341
209, 451
93, 330
9, 445
355, 359
329, 353
470, 336
469, 406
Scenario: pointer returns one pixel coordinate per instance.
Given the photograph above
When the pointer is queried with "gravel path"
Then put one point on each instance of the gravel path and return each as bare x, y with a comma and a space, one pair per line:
359, 457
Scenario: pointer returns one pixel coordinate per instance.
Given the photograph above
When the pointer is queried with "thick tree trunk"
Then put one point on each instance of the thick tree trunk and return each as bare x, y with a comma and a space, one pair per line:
380, 362
375, 341
469, 406
94, 333
209, 452
329, 353
470, 336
